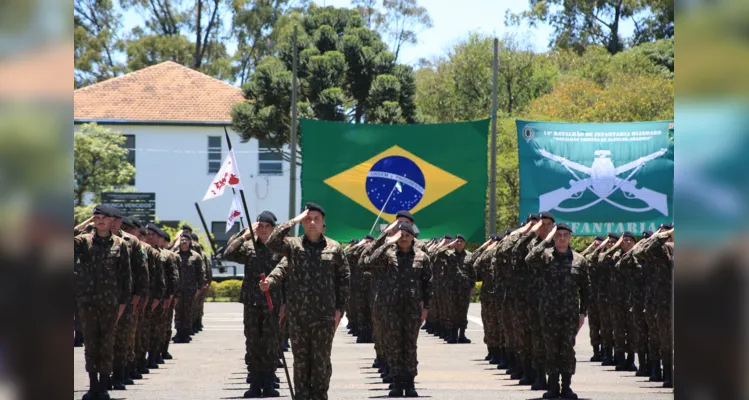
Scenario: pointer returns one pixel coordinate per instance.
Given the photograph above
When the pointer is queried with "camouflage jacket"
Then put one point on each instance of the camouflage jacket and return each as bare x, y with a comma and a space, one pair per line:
608, 276
513, 279
317, 274
565, 287
486, 272
458, 276
102, 270
629, 275
169, 264
525, 244
138, 264
658, 254
156, 274
256, 262
406, 277
190, 271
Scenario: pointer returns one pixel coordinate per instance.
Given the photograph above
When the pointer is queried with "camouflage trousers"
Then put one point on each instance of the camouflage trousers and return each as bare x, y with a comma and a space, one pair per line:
158, 330
490, 317
143, 338
99, 324
522, 327
435, 306
665, 330
77, 325
559, 332
401, 332
377, 334
654, 346
261, 339
625, 331
184, 310
505, 323
136, 320
197, 312
365, 300
607, 330
594, 323
311, 344
641, 326
122, 338
352, 305
456, 307
168, 326
538, 348
443, 306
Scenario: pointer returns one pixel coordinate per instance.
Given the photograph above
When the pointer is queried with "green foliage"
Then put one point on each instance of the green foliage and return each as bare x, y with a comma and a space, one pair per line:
228, 289
96, 29
476, 292
345, 74
174, 232
99, 162
212, 289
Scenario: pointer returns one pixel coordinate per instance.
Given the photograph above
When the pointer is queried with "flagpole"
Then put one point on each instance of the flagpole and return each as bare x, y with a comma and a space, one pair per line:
234, 192
241, 194
383, 207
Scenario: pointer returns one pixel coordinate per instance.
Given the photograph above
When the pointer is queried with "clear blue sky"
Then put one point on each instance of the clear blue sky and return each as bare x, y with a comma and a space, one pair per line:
452, 21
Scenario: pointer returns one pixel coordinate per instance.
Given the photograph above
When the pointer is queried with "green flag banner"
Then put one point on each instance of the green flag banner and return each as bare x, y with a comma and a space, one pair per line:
598, 177
438, 172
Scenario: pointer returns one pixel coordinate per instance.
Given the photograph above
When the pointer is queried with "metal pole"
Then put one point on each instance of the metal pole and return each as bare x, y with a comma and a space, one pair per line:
292, 162
493, 158
383, 208
207, 232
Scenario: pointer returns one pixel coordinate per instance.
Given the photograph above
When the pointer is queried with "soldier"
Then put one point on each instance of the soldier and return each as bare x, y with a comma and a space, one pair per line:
318, 277
404, 295
603, 281
139, 273
441, 301
207, 278
170, 265
657, 251
261, 326
190, 282
481, 259
102, 281
459, 280
152, 321
639, 314
594, 319
565, 289
363, 286
623, 290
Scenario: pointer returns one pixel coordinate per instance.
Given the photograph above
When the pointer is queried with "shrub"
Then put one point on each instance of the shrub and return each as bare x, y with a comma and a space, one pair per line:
229, 288
212, 289
476, 292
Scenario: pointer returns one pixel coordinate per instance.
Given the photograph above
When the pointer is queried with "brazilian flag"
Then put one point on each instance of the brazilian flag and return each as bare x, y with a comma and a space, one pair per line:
437, 171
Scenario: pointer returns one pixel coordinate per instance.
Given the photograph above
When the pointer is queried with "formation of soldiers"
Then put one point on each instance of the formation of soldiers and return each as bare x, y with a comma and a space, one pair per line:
130, 282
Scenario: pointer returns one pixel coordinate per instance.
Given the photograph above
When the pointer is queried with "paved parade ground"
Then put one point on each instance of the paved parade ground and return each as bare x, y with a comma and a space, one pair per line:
212, 367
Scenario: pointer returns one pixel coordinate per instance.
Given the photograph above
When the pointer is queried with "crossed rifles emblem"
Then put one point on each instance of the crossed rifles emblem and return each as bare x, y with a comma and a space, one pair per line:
603, 180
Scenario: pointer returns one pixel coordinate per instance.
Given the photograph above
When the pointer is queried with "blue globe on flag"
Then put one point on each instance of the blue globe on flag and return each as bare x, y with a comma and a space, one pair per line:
397, 181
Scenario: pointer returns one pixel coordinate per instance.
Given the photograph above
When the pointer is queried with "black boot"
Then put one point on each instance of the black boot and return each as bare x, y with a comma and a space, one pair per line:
452, 336
267, 382
540, 383
250, 378
503, 362
180, 337
430, 328
596, 354
255, 390
143, 366
530, 373
488, 354
103, 392
397, 390
425, 327
126, 376
567, 392
387, 378
410, 387
608, 357
159, 359
495, 356
512, 363
553, 392
629, 364
377, 364
362, 336
152, 361
286, 345
93, 386
644, 369
78, 339
200, 324
519, 368
656, 375
134, 373
166, 355
117, 379
621, 361
462, 337
668, 376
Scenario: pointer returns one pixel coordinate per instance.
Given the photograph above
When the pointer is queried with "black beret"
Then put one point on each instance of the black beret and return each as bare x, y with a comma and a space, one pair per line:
508, 231
599, 238
154, 228
500, 237
194, 237
666, 226
143, 231
185, 226
404, 214
166, 236
108, 211
647, 234
459, 236
532, 217
267, 217
127, 221
493, 236
370, 237
628, 234
352, 241
186, 235
448, 236
405, 226
563, 227
613, 235
136, 222
314, 207
548, 215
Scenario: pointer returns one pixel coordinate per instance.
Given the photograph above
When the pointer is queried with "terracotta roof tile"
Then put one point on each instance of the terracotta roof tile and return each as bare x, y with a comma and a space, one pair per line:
162, 92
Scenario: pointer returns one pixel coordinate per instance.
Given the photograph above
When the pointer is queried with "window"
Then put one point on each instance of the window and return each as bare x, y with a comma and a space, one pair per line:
270, 162
221, 237
214, 154
130, 146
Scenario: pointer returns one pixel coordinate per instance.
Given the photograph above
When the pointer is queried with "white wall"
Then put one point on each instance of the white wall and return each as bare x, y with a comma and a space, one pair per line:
173, 163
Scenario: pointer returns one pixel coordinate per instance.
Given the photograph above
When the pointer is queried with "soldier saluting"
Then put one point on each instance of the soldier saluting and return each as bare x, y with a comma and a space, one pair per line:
318, 277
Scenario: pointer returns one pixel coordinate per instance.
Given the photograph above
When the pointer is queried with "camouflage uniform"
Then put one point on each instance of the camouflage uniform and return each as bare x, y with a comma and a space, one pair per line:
618, 300
139, 273
603, 280
190, 279
207, 278
594, 317
318, 278
485, 273
260, 326
404, 289
626, 294
352, 305
102, 282
458, 279
565, 289
375, 277
516, 299
170, 263
364, 297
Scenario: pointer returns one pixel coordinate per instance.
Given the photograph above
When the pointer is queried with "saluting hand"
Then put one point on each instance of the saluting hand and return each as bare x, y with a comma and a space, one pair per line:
551, 234
264, 285
536, 226
299, 218
394, 238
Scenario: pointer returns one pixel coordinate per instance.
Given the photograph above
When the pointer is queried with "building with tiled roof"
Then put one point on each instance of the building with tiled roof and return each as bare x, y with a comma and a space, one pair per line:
174, 119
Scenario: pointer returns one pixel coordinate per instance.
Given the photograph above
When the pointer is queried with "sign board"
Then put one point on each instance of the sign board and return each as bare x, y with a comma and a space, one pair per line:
138, 205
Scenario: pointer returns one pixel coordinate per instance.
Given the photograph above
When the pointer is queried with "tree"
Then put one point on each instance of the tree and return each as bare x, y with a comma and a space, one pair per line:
97, 45
369, 12
402, 21
579, 23
99, 162
345, 74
